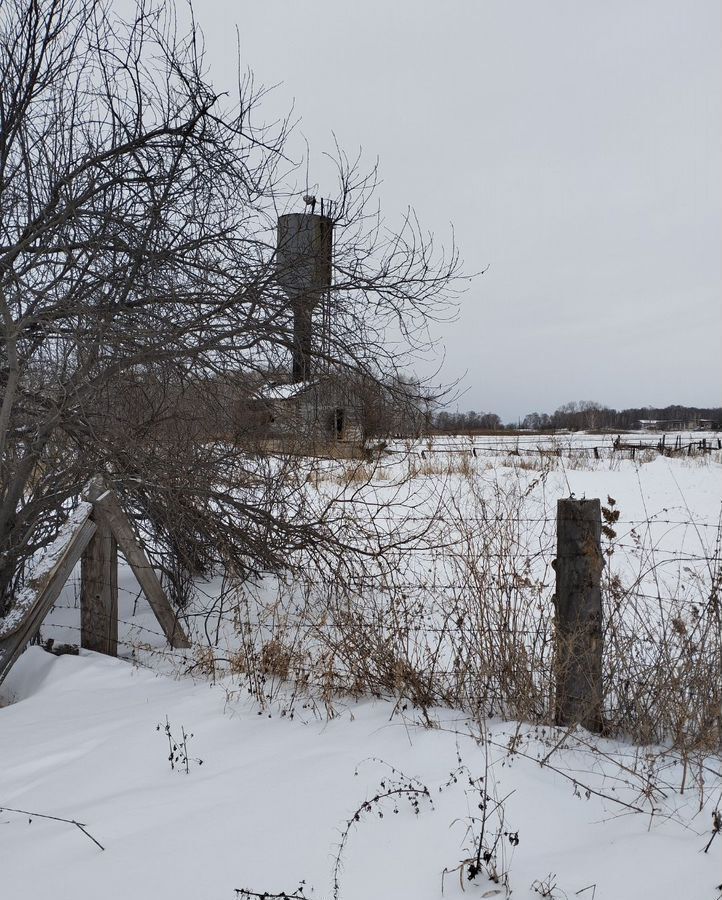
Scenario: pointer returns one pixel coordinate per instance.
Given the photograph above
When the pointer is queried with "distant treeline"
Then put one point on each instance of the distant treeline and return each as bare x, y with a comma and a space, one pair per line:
586, 415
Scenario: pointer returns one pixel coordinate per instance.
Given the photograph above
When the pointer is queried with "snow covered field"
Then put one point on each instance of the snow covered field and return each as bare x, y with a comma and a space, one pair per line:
268, 806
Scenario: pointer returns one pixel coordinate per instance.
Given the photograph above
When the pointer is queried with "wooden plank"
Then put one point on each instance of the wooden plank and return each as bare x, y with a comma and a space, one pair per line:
108, 509
36, 598
99, 593
99, 585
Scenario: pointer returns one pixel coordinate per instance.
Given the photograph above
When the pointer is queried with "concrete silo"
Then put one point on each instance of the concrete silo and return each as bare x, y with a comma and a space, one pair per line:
304, 250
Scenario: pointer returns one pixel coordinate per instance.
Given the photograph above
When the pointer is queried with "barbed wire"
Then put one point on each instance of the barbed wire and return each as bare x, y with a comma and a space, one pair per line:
395, 625
552, 449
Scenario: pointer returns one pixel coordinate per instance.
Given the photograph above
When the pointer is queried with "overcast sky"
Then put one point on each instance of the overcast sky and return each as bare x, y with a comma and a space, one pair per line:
575, 148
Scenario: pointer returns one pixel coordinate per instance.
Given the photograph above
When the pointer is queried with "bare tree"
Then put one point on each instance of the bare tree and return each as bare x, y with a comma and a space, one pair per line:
138, 287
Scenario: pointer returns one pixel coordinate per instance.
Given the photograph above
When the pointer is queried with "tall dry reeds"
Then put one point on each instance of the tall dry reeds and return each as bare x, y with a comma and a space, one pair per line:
463, 615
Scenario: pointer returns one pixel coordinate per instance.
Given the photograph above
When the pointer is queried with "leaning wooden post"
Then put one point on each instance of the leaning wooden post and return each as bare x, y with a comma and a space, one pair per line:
99, 587
578, 567
35, 598
107, 510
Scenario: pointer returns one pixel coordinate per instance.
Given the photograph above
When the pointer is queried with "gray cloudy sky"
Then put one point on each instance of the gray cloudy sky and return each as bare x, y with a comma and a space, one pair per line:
575, 147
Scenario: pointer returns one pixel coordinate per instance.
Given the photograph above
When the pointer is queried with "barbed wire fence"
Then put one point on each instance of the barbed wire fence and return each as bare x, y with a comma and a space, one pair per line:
474, 630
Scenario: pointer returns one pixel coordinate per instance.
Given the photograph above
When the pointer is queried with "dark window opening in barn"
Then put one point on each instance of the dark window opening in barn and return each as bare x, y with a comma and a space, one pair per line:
338, 420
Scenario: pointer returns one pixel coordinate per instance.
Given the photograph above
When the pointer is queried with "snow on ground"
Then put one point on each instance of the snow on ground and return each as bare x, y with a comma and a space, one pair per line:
266, 808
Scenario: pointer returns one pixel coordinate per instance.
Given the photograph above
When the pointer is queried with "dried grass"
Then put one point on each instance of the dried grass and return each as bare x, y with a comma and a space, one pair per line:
467, 619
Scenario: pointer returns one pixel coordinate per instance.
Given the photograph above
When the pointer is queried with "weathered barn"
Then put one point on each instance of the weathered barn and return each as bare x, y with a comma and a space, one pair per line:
324, 409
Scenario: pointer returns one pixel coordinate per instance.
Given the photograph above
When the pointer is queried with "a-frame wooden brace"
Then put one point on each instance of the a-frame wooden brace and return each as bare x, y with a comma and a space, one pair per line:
92, 534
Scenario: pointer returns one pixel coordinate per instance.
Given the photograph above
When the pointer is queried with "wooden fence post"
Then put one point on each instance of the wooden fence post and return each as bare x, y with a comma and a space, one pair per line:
37, 596
107, 510
578, 601
88, 536
99, 588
